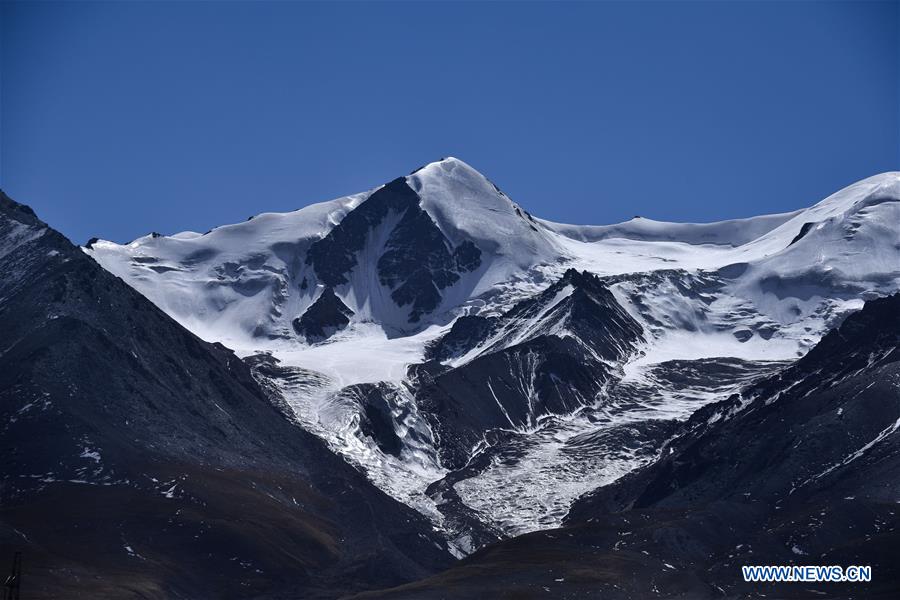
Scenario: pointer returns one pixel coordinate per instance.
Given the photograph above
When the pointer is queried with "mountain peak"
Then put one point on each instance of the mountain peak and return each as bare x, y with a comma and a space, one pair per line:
467, 205
578, 278
454, 173
21, 212
446, 162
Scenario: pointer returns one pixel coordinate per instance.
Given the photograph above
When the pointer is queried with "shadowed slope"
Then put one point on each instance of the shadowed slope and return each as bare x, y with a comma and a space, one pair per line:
140, 461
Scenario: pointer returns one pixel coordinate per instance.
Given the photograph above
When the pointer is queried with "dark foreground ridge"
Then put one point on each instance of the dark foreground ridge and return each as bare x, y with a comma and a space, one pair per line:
803, 469
141, 462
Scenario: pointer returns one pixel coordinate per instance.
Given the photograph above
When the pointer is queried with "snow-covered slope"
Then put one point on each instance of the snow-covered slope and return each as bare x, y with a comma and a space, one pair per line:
245, 284
359, 294
466, 205
248, 281
734, 232
231, 284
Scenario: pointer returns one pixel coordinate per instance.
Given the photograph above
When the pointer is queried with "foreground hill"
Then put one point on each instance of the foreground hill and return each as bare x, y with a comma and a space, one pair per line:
141, 462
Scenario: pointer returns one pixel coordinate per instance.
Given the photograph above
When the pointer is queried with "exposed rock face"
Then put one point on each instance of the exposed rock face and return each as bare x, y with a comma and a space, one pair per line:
141, 461
550, 354
325, 317
795, 434
376, 420
416, 261
467, 331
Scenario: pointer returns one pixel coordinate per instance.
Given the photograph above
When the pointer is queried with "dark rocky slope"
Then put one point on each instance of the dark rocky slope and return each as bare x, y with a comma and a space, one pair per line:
804, 469
325, 317
141, 462
415, 262
550, 354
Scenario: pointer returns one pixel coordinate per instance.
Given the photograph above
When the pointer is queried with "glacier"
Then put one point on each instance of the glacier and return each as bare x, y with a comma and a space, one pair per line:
744, 296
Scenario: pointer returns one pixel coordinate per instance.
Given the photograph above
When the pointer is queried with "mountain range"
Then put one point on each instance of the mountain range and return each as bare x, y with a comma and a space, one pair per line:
364, 392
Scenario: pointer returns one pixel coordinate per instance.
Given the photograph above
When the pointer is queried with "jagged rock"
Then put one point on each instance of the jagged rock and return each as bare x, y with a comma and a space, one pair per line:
547, 355
417, 261
324, 317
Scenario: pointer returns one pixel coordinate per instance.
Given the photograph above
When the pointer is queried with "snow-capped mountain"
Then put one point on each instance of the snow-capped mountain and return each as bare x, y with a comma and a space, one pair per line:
452, 345
400, 255
476, 251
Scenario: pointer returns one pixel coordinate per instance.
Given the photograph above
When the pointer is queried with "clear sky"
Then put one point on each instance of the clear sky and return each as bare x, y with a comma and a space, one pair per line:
122, 118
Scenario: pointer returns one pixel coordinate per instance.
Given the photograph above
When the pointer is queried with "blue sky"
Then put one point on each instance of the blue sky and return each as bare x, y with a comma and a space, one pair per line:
118, 119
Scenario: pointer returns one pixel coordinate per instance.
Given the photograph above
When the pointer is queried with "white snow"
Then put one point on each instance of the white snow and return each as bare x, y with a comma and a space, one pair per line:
520, 330
242, 285
362, 354
236, 282
465, 205
686, 345
735, 232
535, 491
